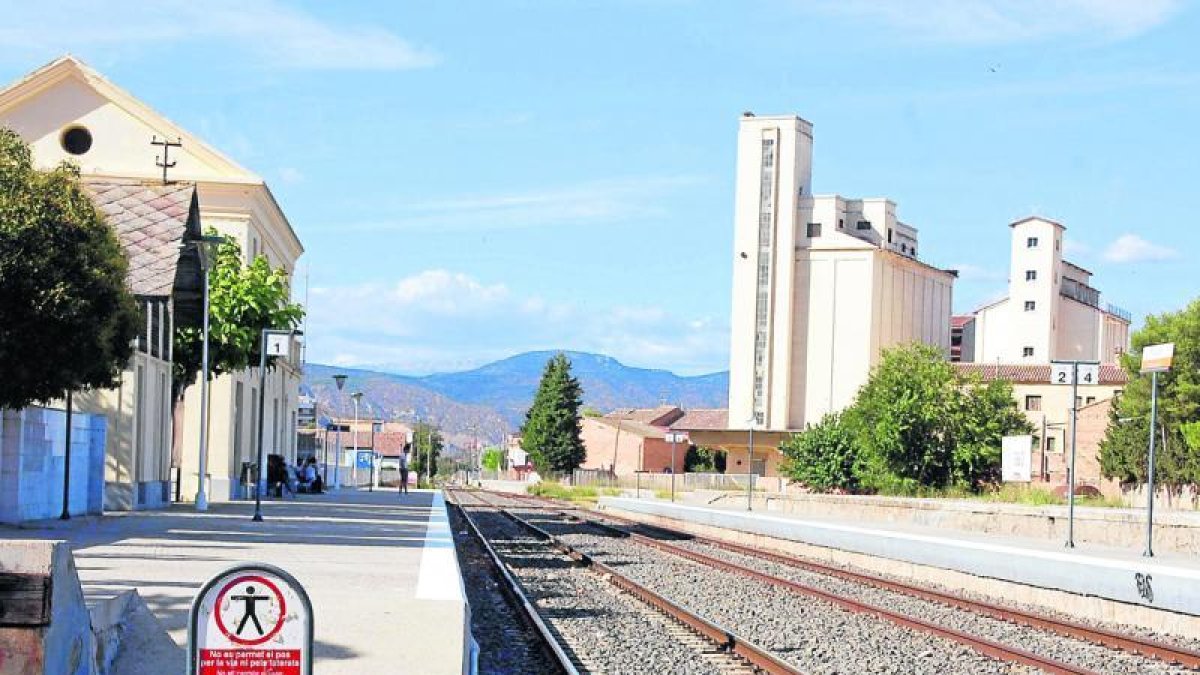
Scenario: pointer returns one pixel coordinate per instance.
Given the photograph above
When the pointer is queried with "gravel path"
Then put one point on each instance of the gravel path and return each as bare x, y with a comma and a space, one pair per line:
815, 636
1068, 650
606, 630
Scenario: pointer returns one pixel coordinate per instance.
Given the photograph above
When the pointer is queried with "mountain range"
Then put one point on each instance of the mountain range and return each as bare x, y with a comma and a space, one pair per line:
491, 399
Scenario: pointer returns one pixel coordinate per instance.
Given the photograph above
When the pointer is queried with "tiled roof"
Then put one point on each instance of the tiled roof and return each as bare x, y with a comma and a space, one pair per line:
702, 419
629, 426
151, 221
663, 414
959, 321
1035, 374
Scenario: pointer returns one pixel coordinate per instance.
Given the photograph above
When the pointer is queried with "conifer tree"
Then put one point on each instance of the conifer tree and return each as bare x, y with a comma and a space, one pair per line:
551, 431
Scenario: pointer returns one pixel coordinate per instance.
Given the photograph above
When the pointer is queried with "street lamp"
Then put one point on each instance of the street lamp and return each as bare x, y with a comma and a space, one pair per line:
276, 343
206, 249
356, 397
750, 468
340, 381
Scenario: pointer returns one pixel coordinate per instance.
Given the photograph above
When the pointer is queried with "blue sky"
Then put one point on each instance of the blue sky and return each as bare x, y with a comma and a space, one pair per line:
475, 179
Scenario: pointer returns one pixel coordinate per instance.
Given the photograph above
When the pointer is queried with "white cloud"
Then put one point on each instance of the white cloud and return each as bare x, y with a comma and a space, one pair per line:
273, 33
438, 320
1129, 248
606, 201
1006, 21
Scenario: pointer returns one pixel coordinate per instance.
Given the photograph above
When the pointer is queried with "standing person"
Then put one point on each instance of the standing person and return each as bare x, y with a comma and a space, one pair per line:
404, 470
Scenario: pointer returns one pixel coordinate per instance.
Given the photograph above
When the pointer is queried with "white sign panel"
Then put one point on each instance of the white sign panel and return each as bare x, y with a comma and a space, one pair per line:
278, 344
253, 619
1016, 459
1157, 358
1061, 373
676, 437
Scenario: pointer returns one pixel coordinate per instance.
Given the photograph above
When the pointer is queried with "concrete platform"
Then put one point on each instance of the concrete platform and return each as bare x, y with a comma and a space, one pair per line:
380, 569
1173, 580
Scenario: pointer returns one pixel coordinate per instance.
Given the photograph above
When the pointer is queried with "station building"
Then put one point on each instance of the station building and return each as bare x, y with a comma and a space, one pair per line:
67, 111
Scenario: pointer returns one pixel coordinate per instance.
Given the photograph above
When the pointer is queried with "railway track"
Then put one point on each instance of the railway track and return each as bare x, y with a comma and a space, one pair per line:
521, 561
1077, 647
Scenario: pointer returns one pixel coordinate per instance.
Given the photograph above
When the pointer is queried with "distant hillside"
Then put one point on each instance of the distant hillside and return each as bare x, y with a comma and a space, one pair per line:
498, 393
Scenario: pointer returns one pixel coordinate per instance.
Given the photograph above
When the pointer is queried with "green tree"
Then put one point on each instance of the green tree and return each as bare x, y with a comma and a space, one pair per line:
824, 457
986, 413
244, 300
703, 459
427, 448
492, 458
903, 416
919, 424
68, 318
1177, 459
551, 431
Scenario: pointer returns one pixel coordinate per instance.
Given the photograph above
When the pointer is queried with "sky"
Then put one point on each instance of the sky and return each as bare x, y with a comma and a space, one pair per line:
473, 179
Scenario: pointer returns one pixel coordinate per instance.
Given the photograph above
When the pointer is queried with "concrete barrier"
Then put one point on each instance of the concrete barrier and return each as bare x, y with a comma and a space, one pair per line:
1177, 531
55, 638
1133, 582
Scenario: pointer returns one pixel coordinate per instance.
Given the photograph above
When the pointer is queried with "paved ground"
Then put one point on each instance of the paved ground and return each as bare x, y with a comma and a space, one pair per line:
380, 570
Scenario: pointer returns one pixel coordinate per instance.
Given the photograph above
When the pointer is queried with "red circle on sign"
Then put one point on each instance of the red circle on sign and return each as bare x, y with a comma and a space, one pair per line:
274, 629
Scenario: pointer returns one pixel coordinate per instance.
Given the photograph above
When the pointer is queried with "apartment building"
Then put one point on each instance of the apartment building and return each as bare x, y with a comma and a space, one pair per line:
1052, 312
822, 284
67, 111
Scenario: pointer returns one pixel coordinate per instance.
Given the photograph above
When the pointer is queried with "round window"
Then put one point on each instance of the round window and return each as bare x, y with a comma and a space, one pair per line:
76, 140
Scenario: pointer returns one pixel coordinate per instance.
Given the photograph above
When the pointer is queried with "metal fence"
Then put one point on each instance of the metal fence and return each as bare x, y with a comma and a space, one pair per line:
683, 481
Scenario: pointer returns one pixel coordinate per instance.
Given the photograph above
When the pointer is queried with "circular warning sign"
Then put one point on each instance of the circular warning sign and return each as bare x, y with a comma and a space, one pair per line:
251, 619
250, 610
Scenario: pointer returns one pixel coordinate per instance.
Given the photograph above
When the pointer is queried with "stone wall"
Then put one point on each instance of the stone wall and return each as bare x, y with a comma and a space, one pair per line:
32, 461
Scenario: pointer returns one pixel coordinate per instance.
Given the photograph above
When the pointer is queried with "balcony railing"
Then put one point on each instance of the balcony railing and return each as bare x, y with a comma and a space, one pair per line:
1081, 292
1119, 312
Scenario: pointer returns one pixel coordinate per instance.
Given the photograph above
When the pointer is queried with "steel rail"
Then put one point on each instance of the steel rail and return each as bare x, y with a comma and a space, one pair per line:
1131, 643
756, 656
512, 588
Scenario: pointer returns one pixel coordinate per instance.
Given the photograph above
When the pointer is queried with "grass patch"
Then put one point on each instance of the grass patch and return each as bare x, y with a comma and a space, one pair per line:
583, 493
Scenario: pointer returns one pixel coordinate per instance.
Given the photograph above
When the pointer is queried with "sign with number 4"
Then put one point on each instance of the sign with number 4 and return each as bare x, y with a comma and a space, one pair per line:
1061, 373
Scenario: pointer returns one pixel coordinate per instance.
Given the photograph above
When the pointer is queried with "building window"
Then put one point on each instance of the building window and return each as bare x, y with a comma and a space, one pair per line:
1030, 305
814, 230
1033, 403
1030, 275
1028, 351
76, 140
864, 225
1031, 242
841, 223
1051, 444
889, 235
1090, 400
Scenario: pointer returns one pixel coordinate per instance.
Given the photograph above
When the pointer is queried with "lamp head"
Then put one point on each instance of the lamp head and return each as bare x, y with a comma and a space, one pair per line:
357, 396
340, 381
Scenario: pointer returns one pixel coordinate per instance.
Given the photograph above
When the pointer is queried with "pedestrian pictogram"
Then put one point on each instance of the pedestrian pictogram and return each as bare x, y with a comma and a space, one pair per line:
251, 620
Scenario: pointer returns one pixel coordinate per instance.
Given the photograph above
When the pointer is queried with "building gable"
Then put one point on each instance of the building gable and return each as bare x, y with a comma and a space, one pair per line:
67, 94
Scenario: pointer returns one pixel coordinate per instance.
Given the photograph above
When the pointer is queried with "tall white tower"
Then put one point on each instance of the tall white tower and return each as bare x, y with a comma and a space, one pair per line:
774, 172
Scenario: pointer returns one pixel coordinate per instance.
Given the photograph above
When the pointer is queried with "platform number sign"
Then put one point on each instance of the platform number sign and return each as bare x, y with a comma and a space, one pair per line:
251, 620
278, 344
1062, 373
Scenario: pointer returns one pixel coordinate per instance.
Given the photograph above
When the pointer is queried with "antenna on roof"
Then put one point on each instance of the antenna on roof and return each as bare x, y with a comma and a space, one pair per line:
166, 155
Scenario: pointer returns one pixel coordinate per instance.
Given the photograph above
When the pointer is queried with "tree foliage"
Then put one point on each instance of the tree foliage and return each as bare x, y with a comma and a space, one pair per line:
916, 424
825, 456
703, 459
68, 319
551, 431
427, 448
1177, 453
492, 458
244, 300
